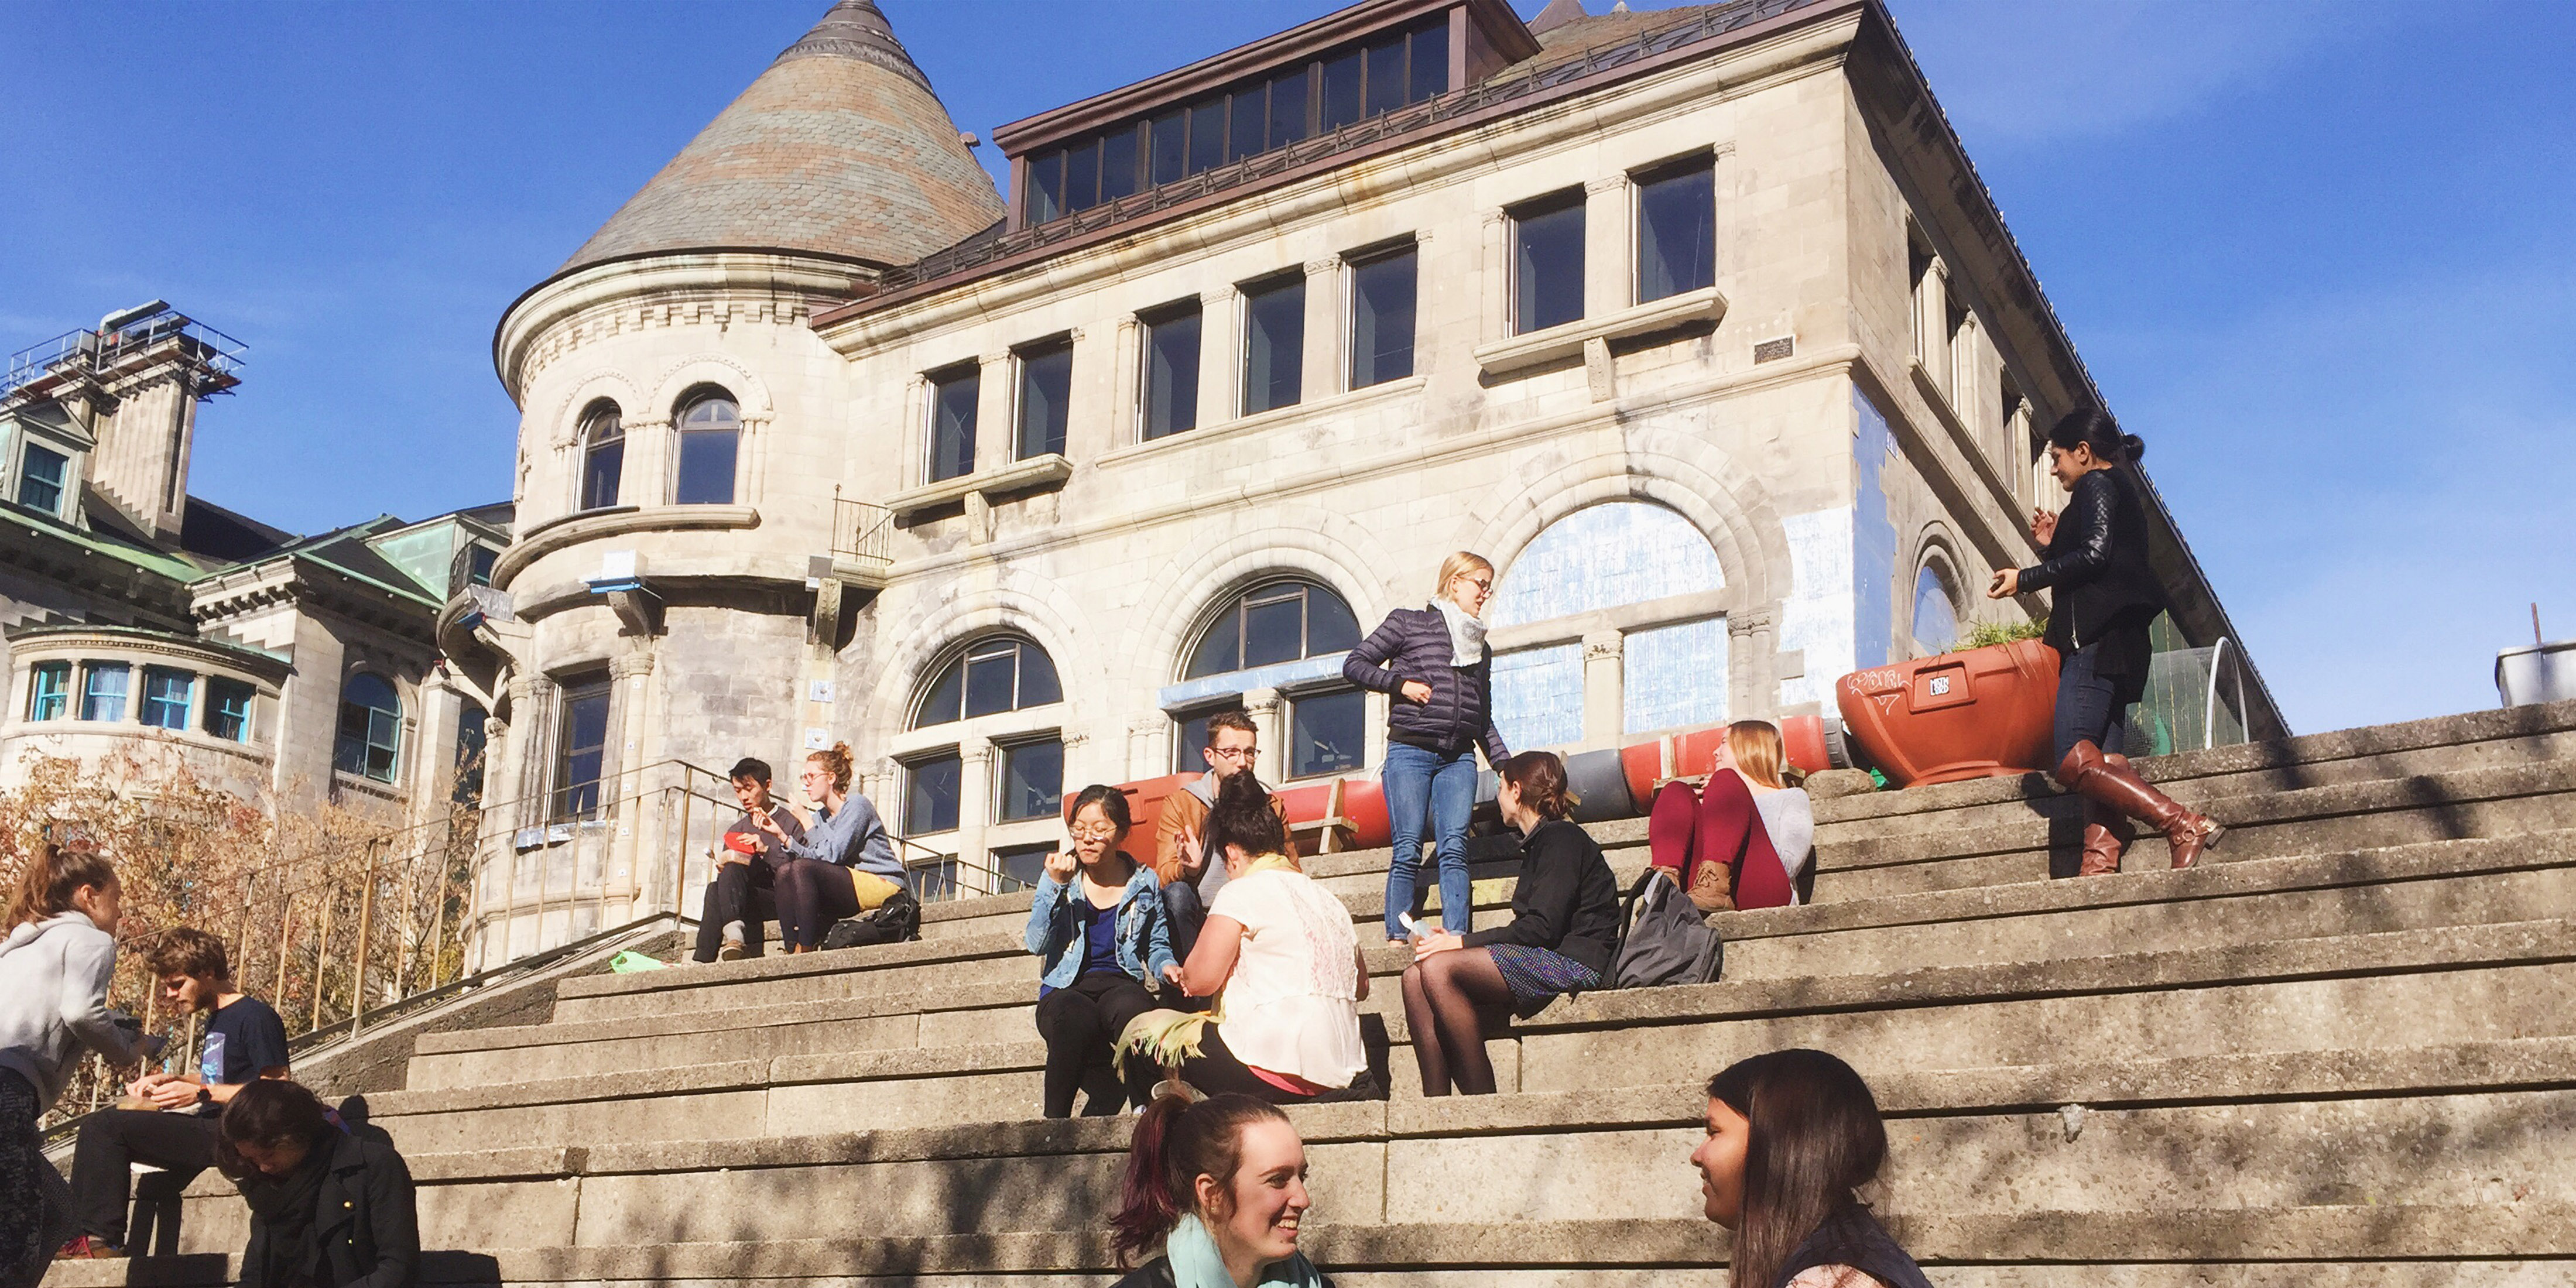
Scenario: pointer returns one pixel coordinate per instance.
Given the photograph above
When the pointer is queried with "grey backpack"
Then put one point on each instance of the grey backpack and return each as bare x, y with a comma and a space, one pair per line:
1664, 939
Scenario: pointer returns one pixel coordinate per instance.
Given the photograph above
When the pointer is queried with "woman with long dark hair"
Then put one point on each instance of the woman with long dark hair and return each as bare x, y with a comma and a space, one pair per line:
1435, 664
2094, 553
1219, 1186
327, 1208
1564, 927
1097, 920
1792, 1136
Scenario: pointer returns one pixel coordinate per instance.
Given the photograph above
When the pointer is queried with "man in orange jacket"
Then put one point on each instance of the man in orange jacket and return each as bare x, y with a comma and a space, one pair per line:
1190, 879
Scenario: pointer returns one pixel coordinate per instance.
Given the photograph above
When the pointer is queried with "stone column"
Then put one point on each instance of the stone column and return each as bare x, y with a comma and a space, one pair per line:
1115, 425
1326, 371
1753, 690
974, 800
1609, 265
622, 875
1267, 713
652, 453
1495, 315
1604, 691
996, 434
1728, 228
1932, 323
1148, 747
1220, 366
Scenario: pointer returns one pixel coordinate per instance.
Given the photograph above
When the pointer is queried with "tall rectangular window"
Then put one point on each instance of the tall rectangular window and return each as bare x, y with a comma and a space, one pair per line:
1288, 108
167, 695
228, 708
1327, 733
1547, 262
952, 421
1382, 291
1190, 737
1274, 344
1207, 135
1119, 165
1170, 386
1430, 73
1046, 382
1168, 139
1386, 81
707, 461
1249, 123
581, 749
1032, 780
930, 789
1082, 176
103, 687
1340, 104
41, 475
1018, 867
49, 690
1676, 231
1046, 187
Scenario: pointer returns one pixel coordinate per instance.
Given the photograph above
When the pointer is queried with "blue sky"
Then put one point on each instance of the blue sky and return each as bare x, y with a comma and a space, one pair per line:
2319, 253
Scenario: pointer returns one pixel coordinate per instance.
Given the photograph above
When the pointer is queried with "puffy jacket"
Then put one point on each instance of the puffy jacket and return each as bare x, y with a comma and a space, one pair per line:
1413, 644
1143, 938
53, 1001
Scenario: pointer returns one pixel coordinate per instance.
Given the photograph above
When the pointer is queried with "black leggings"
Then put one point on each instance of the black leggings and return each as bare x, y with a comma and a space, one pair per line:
812, 895
1081, 1023
1445, 995
1215, 1071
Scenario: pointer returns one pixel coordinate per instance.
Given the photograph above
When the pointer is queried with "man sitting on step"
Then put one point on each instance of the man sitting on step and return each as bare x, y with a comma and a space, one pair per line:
245, 1040
1180, 858
741, 899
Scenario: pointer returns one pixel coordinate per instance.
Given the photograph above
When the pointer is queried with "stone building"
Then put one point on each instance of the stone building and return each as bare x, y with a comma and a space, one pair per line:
137, 618
1697, 322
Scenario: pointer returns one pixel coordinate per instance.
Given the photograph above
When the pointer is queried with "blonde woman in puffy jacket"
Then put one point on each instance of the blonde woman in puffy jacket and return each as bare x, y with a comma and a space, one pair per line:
54, 971
1436, 666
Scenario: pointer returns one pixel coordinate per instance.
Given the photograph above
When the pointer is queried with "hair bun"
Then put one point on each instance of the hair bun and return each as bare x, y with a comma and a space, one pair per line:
2133, 445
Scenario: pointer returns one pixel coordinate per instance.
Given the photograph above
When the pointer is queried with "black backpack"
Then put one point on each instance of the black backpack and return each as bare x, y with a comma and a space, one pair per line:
1663, 937
897, 920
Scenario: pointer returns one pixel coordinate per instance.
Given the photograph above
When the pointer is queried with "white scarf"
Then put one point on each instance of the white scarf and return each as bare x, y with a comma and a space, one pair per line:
1466, 635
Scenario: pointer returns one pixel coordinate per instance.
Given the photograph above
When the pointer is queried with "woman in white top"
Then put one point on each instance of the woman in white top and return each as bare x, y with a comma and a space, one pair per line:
1279, 953
1744, 840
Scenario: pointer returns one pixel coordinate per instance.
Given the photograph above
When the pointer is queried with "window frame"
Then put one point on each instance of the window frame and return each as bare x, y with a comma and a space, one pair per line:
1270, 288
1023, 374
367, 743
1288, 727
1236, 607
603, 429
1562, 202
565, 802
912, 764
1003, 751
959, 661
1700, 166
38, 696
28, 449
186, 702
1356, 264
1150, 323
220, 687
731, 431
92, 697
968, 375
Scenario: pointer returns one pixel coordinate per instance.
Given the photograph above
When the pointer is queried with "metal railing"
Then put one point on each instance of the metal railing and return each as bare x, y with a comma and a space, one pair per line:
993, 243
99, 351
862, 530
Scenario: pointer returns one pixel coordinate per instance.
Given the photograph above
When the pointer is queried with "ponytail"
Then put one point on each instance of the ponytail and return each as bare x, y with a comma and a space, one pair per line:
52, 877
1176, 1142
2093, 427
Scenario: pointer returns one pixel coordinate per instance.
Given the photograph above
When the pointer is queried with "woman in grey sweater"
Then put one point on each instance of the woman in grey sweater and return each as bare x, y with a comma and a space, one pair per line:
54, 971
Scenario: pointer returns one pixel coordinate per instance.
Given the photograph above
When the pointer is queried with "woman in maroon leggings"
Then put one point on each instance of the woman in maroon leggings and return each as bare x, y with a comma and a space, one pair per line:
1743, 840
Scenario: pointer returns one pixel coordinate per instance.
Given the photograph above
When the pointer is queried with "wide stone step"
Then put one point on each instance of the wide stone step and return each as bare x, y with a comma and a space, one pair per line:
2451, 984
2477, 1124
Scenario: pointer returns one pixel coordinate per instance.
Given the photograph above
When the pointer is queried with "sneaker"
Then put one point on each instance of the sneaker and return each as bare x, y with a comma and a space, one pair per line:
89, 1247
731, 952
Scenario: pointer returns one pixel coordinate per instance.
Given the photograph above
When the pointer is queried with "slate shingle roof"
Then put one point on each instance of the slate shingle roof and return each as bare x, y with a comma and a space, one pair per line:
840, 148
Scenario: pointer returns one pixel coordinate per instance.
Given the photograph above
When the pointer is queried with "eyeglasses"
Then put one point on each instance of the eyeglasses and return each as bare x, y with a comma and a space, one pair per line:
1234, 753
1483, 585
1105, 832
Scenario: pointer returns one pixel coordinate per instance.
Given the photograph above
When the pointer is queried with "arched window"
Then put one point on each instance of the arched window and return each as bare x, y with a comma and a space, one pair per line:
1629, 566
370, 727
1936, 609
710, 434
989, 680
1293, 633
603, 455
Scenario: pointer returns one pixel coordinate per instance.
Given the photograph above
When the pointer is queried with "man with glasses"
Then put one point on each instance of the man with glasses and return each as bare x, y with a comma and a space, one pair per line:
1190, 875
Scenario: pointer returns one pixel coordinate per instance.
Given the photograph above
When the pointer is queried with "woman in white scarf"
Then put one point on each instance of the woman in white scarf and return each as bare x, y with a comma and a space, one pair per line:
1220, 1185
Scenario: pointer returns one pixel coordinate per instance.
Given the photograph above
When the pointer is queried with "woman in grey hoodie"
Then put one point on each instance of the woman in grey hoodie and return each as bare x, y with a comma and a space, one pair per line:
54, 970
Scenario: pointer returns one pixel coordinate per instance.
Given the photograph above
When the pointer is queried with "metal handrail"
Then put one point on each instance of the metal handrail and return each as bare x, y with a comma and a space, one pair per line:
862, 529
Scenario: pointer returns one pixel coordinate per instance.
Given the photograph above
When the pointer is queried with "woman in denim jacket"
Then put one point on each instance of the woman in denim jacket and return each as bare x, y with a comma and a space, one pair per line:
1098, 922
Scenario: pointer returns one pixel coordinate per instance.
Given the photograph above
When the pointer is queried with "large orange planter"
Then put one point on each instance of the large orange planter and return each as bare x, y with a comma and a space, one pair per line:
1983, 713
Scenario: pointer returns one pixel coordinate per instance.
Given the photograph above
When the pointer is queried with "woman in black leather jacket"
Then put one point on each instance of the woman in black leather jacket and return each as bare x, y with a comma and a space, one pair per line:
2094, 553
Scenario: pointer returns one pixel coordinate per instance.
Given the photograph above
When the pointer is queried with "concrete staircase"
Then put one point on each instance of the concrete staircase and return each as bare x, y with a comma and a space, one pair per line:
2344, 1052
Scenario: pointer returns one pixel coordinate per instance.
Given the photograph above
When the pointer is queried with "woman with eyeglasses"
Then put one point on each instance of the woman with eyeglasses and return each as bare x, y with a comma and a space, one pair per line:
1434, 663
1097, 921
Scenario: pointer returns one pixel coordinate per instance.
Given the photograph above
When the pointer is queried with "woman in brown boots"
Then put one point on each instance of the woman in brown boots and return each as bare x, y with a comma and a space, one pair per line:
2095, 554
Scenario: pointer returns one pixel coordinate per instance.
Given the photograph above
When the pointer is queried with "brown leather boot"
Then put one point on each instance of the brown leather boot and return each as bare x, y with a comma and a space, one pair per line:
2103, 843
2112, 783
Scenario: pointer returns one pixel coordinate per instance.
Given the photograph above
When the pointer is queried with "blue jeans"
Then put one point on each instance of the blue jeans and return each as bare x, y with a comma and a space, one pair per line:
1425, 786
2088, 706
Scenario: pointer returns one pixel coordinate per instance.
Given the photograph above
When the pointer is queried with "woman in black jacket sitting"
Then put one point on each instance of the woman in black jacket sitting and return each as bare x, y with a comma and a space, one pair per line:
1565, 922
2095, 554
328, 1209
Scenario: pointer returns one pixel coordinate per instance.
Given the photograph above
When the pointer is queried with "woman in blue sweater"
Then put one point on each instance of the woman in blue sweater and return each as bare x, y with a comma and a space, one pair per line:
1434, 663
842, 866
1097, 921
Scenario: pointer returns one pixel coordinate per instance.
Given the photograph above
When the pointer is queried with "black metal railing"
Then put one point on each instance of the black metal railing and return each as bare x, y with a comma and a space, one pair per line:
862, 530
99, 351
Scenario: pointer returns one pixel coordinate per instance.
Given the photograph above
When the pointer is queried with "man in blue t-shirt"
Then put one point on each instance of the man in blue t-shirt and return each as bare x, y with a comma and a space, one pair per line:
244, 1040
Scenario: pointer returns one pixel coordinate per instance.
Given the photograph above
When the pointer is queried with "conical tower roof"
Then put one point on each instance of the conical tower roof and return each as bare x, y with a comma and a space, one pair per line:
840, 148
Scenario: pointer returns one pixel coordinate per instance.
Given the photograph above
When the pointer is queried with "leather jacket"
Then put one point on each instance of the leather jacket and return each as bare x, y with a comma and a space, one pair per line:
2097, 563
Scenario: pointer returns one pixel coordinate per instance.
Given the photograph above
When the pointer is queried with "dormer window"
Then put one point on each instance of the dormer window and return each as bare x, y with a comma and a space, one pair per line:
1264, 113
43, 474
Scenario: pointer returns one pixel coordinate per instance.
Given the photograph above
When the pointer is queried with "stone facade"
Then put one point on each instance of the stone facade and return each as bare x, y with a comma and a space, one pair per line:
1847, 404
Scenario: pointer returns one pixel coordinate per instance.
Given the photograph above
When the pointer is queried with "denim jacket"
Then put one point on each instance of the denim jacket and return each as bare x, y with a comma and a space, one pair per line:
1144, 939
